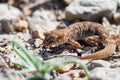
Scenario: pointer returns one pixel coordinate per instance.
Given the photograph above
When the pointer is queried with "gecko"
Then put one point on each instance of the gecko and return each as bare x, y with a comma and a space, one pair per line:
93, 33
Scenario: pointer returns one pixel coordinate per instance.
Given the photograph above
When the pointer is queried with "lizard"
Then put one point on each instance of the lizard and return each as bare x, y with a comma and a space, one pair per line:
91, 32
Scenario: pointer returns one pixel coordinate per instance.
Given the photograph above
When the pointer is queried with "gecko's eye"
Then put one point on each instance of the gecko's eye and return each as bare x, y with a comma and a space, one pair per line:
53, 37
50, 38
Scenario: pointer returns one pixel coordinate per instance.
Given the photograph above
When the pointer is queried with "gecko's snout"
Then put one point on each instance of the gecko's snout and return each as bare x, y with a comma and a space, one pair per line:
45, 47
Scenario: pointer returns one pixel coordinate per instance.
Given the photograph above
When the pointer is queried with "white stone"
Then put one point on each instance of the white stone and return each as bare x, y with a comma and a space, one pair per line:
9, 12
91, 9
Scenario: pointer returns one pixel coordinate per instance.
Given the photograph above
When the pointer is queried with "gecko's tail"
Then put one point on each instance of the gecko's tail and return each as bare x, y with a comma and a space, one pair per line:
107, 51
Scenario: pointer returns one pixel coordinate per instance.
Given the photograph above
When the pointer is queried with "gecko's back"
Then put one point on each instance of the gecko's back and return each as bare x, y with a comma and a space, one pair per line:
77, 31
81, 30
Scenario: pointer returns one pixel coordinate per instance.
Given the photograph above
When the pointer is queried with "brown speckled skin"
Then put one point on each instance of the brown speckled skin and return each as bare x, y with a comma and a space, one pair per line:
104, 53
76, 31
116, 38
93, 33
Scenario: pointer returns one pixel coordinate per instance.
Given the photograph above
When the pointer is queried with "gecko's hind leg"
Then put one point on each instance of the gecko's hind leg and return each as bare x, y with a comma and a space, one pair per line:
93, 40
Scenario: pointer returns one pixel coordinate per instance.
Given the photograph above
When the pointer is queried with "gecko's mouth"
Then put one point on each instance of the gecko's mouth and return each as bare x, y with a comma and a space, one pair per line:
51, 45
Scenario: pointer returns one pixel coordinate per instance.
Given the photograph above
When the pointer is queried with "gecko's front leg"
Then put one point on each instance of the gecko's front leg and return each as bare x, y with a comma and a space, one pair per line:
74, 44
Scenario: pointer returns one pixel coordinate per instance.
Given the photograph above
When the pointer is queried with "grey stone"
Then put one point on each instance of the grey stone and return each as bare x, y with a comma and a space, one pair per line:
6, 26
99, 63
116, 64
105, 74
43, 20
90, 9
63, 77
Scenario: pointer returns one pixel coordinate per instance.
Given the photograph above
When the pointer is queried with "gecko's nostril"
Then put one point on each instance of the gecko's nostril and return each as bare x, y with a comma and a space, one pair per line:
45, 47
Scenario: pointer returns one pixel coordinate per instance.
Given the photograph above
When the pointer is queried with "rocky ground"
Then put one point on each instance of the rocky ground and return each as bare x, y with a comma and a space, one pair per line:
28, 20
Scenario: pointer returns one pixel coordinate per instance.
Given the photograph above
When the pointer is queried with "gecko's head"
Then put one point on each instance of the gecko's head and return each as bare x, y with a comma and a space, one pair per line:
55, 37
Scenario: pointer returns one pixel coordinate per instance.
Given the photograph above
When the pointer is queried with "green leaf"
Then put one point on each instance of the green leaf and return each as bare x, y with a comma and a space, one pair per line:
28, 58
22, 71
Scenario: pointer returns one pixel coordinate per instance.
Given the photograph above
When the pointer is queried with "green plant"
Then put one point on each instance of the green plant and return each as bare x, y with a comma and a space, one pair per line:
36, 66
